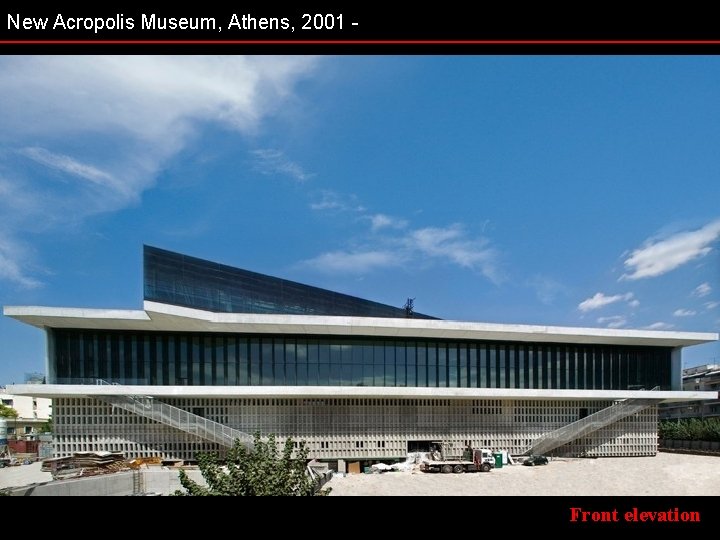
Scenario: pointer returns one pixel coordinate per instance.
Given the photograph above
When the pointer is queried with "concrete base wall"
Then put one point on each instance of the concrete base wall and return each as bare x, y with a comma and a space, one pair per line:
162, 482
713, 446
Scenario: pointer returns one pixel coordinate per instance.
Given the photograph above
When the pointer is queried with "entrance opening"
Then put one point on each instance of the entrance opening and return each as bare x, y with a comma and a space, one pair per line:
583, 413
419, 446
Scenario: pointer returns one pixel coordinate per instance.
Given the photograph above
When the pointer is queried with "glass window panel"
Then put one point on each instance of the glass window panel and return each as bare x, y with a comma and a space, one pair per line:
255, 373
324, 350
182, 360
390, 375
266, 362
347, 375
302, 374
336, 374
367, 353
482, 366
232, 361
313, 352
432, 354
494, 380
335, 352
278, 361
291, 370
598, 362
289, 351
473, 366
400, 375
453, 367
616, 369
432, 372
379, 375
243, 362
141, 348
571, 365
357, 374
313, 375
323, 374
579, 368
346, 353
356, 352
219, 362
206, 368
170, 353
379, 353
421, 353
442, 365
161, 359
128, 364
368, 375
196, 360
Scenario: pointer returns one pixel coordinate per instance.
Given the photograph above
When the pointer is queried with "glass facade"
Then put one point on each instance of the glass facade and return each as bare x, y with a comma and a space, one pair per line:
173, 278
209, 359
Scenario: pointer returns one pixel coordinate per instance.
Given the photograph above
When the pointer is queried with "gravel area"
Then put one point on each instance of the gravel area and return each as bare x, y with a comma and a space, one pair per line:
665, 475
23, 475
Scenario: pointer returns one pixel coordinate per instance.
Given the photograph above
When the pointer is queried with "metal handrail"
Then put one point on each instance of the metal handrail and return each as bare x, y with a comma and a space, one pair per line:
148, 407
590, 423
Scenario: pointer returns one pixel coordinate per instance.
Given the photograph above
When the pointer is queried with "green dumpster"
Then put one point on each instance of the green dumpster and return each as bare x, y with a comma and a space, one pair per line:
497, 456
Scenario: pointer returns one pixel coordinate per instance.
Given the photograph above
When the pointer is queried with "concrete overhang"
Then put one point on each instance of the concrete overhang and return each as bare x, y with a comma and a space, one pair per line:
343, 392
168, 318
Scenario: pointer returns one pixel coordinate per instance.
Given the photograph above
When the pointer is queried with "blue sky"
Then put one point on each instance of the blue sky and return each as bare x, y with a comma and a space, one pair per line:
576, 191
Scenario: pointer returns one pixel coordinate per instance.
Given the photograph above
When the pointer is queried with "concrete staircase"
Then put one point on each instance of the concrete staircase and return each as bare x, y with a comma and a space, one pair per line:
590, 423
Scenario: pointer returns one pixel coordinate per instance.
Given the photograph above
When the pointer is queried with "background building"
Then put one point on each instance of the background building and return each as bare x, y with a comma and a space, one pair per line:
33, 413
218, 352
704, 378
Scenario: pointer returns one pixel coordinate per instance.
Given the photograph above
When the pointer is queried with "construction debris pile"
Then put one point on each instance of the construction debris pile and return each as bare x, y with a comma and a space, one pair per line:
82, 464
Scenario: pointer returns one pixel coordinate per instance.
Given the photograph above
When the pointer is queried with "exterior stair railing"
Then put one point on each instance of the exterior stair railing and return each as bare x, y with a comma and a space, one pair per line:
590, 423
149, 407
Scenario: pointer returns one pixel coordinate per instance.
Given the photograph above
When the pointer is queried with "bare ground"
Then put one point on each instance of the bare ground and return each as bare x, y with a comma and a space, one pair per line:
665, 475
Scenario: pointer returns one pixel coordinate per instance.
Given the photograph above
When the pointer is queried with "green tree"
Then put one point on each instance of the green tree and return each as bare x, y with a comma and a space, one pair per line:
262, 470
7, 412
692, 429
47, 427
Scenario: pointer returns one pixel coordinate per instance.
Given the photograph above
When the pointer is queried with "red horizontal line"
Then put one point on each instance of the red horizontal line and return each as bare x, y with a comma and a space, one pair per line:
364, 42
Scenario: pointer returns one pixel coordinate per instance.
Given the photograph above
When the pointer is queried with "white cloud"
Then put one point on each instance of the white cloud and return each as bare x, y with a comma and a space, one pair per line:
269, 161
601, 300
659, 326
381, 221
702, 290
684, 313
452, 243
547, 289
436, 244
12, 255
354, 262
711, 305
657, 257
113, 122
73, 167
614, 321
330, 200
634, 303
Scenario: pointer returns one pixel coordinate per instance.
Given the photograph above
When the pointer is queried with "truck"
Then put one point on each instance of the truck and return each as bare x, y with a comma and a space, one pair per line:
472, 460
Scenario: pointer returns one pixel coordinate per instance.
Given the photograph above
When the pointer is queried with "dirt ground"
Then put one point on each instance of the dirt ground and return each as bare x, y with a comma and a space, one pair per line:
665, 475
23, 475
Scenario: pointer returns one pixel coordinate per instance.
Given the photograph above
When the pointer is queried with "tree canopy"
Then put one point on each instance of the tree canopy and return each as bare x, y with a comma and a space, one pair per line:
262, 470
7, 412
